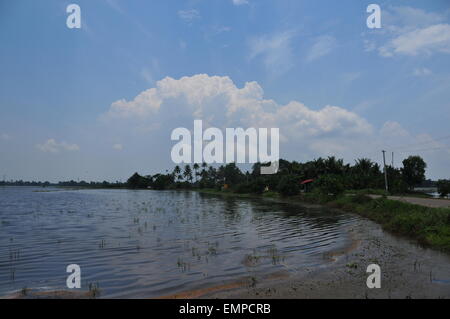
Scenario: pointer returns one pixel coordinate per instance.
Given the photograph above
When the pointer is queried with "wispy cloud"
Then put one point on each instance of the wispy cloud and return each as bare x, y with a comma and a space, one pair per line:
117, 147
322, 46
410, 31
220, 29
404, 18
351, 76
189, 16
428, 40
52, 146
239, 2
275, 51
148, 72
422, 72
115, 6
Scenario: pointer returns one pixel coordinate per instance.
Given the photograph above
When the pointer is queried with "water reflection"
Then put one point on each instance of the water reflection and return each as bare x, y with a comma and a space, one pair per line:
147, 243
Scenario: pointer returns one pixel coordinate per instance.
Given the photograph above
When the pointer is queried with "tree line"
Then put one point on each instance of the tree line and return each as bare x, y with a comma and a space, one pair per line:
330, 175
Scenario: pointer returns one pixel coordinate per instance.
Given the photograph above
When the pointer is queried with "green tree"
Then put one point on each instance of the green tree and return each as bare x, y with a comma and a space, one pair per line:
365, 174
413, 171
138, 181
335, 166
162, 181
211, 177
397, 184
232, 174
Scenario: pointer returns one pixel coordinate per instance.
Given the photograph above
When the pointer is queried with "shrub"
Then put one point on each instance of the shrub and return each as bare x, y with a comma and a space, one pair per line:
162, 182
243, 188
138, 181
257, 186
288, 186
361, 199
329, 185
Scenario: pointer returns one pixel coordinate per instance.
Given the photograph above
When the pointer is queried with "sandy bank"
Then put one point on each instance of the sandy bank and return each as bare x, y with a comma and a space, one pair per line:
407, 271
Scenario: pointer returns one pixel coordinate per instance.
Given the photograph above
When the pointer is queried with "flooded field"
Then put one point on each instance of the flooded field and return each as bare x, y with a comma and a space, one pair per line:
156, 243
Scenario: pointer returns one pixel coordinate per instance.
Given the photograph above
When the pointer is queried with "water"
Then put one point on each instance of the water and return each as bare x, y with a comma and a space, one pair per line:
433, 191
147, 243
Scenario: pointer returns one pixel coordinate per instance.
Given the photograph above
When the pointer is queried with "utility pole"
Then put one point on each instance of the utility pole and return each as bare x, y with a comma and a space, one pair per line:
385, 171
392, 160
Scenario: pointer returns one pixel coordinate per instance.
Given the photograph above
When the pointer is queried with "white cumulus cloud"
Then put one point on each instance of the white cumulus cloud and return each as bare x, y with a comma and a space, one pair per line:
305, 132
219, 102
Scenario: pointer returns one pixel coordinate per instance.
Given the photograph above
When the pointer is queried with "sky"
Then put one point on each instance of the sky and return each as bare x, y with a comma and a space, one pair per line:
100, 102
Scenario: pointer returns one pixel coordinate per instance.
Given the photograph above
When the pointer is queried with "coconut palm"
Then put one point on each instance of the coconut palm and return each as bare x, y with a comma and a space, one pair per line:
187, 173
196, 167
176, 172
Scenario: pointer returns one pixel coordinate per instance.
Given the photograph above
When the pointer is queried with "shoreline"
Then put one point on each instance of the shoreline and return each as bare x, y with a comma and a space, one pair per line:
428, 225
408, 270
403, 256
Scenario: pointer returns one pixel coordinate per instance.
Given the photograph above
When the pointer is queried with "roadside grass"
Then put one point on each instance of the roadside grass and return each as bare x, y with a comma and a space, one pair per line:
366, 191
374, 191
430, 226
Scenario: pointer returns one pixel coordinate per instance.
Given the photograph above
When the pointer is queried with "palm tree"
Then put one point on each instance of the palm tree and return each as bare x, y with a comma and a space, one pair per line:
334, 166
176, 172
188, 173
365, 173
196, 167
212, 175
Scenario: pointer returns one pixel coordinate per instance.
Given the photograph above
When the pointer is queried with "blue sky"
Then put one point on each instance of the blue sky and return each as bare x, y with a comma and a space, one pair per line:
77, 103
